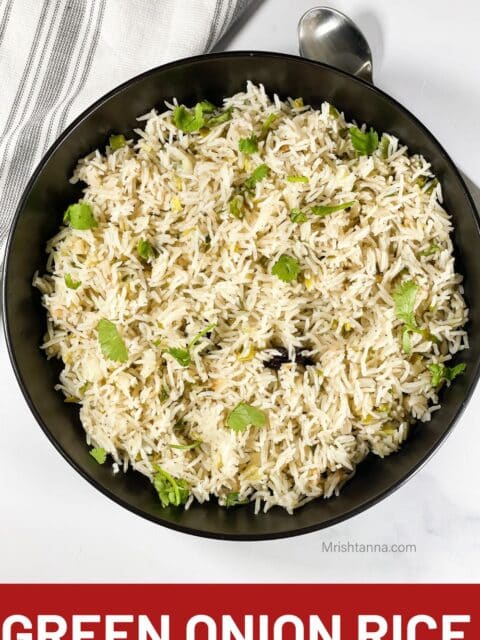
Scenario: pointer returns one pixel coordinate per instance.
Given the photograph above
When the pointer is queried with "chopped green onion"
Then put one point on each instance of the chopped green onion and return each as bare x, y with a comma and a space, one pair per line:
364, 143
297, 179
384, 146
297, 215
423, 181
201, 334
182, 356
235, 206
333, 111
70, 282
186, 447
117, 142
145, 249
326, 210
220, 118
164, 395
99, 454
406, 343
267, 125
259, 174
433, 248
84, 387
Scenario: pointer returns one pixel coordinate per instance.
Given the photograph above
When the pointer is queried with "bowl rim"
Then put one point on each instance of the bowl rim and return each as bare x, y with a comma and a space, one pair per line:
85, 114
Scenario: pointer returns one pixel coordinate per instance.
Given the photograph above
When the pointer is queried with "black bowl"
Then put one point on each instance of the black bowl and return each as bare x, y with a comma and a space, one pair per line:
40, 213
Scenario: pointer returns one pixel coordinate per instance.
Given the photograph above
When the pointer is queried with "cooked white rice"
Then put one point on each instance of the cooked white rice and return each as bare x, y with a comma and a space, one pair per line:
174, 189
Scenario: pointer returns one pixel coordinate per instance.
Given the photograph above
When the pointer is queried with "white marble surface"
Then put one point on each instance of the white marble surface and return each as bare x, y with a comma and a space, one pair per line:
55, 526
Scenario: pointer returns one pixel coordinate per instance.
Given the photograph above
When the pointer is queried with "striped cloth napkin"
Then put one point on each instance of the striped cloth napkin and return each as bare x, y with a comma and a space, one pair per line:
58, 56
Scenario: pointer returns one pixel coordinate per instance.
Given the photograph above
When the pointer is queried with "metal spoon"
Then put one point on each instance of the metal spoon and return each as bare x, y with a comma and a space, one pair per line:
326, 35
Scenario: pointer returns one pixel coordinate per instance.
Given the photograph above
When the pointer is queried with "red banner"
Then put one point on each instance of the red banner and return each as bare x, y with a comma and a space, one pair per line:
240, 612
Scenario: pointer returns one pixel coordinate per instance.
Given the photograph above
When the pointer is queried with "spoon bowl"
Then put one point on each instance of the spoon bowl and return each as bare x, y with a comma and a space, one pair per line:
327, 35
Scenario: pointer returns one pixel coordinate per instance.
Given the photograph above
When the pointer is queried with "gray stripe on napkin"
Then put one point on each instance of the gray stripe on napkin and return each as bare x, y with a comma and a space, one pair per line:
71, 84
53, 81
227, 19
10, 131
240, 7
73, 92
214, 26
22, 86
5, 19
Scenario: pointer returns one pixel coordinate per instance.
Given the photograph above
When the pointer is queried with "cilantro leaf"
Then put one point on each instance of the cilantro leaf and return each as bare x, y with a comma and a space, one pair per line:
111, 343
286, 268
80, 216
440, 372
248, 145
182, 356
186, 447
452, 372
117, 142
232, 499
70, 282
99, 454
244, 416
404, 300
326, 210
171, 491
259, 173
297, 215
364, 143
437, 374
297, 179
187, 120
207, 106
145, 249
